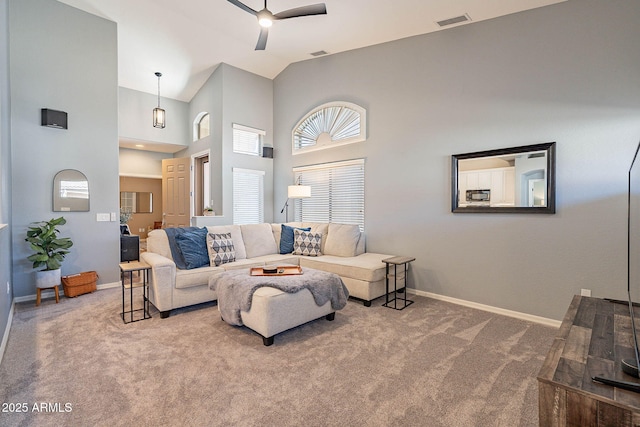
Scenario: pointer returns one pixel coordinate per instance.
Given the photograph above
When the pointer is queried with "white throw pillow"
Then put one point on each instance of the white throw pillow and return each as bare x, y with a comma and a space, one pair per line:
342, 240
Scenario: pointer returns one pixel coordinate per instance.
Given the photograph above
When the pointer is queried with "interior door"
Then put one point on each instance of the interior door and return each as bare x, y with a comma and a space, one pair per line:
176, 187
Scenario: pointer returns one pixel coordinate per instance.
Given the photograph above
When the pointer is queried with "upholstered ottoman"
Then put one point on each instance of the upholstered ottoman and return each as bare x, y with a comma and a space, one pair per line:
273, 304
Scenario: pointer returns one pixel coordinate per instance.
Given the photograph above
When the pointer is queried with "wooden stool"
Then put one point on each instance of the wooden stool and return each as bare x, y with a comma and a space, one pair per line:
38, 290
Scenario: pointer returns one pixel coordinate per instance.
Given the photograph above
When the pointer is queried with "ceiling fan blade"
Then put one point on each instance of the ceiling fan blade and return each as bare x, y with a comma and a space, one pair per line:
243, 7
262, 39
314, 9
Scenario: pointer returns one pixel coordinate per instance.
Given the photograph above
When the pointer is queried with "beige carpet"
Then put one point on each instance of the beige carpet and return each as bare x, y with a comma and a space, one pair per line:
432, 364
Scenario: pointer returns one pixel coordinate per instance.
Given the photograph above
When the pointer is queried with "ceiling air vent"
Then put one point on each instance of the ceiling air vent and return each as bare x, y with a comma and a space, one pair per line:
319, 53
454, 20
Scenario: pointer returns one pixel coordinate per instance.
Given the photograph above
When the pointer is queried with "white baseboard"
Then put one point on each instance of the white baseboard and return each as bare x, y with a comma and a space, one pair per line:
518, 315
5, 336
48, 293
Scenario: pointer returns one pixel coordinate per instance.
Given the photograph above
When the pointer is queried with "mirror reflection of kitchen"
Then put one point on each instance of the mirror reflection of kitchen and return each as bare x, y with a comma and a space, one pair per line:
512, 180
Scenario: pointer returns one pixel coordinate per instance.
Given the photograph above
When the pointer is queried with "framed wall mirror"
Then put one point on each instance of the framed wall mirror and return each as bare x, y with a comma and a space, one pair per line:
136, 202
508, 180
70, 191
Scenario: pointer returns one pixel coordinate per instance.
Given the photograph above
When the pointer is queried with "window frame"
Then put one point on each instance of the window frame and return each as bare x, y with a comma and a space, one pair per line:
197, 133
298, 128
247, 129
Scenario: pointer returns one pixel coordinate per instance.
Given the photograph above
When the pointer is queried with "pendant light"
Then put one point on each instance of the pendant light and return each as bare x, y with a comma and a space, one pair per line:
158, 113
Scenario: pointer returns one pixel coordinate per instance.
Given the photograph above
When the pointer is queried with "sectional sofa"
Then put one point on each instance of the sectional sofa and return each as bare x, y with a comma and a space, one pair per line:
342, 251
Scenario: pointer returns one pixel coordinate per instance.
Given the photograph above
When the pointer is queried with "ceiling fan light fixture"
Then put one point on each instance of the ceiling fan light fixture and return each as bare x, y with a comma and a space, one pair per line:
265, 18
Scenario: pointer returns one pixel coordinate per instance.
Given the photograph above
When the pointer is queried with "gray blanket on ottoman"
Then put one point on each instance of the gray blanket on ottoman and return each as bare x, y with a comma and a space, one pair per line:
235, 289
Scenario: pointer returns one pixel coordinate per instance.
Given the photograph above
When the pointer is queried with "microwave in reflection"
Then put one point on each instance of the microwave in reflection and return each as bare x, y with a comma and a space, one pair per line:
478, 196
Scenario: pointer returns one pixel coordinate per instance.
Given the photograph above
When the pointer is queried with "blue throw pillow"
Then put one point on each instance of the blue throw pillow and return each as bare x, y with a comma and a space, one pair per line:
286, 238
193, 245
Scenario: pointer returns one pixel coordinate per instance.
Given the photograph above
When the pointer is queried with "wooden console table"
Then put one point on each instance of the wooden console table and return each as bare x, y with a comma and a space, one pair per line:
595, 334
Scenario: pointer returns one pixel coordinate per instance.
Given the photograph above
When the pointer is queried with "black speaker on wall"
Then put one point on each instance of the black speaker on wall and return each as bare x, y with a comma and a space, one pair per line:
267, 152
53, 118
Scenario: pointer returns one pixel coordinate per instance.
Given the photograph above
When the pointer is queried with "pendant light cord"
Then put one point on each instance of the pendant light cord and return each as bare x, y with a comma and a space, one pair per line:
159, 75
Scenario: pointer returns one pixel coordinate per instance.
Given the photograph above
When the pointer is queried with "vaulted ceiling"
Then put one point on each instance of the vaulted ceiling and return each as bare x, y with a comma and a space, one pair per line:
187, 39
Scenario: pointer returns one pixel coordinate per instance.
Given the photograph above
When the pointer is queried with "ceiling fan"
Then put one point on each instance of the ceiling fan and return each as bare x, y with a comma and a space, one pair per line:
266, 18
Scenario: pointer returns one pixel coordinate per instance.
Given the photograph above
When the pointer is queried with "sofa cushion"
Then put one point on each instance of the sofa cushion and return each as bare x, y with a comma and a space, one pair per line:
193, 247
258, 240
220, 247
158, 243
342, 240
196, 277
368, 267
286, 238
318, 227
306, 243
279, 259
236, 236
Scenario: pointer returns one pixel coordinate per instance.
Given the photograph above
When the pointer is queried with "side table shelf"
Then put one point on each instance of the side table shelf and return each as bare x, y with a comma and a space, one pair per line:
126, 272
396, 261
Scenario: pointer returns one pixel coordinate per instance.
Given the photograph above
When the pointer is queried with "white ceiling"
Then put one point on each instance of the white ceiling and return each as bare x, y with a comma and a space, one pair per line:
187, 39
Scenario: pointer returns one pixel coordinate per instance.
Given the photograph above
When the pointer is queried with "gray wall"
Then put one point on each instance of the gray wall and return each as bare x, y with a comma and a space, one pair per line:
144, 164
209, 99
565, 73
5, 171
135, 119
232, 96
52, 67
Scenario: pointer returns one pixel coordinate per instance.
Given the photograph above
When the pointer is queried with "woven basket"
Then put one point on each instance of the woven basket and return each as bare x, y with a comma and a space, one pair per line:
78, 284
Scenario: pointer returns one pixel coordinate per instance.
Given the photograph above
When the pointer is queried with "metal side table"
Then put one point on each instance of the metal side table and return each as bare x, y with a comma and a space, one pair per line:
396, 261
126, 272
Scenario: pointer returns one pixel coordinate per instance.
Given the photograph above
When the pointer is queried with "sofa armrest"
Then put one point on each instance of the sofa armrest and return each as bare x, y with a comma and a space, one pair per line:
162, 280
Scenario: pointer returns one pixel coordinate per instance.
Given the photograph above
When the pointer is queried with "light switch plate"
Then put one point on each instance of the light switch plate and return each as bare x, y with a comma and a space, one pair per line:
102, 217
113, 216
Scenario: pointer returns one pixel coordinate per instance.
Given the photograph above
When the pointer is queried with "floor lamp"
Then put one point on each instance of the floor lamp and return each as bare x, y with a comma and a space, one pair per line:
296, 191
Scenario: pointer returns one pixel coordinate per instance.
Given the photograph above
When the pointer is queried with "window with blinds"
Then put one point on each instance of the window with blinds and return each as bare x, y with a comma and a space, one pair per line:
337, 193
330, 125
248, 196
247, 140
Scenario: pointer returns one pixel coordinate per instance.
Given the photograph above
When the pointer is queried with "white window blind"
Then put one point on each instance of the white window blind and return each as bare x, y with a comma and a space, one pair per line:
337, 193
248, 196
330, 125
247, 140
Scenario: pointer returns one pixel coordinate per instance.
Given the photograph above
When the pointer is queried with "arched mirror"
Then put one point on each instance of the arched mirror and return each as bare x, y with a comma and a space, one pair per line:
70, 191
509, 180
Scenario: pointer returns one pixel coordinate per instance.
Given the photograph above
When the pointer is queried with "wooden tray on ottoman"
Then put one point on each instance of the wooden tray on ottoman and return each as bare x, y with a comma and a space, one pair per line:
281, 270
78, 284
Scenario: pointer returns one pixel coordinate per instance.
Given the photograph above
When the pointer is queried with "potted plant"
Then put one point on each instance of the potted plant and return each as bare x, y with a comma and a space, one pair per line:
208, 211
125, 216
49, 249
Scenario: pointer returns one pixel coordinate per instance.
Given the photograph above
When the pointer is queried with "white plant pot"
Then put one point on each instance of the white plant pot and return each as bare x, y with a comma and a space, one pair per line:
48, 278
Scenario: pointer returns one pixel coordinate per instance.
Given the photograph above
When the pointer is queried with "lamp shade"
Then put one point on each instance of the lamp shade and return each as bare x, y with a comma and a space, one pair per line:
158, 118
299, 191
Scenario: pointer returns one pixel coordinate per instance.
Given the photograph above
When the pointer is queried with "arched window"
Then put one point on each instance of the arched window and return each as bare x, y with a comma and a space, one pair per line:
201, 126
329, 125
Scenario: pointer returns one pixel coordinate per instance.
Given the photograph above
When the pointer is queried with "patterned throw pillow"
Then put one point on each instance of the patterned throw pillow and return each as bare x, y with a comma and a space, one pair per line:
286, 238
221, 250
306, 243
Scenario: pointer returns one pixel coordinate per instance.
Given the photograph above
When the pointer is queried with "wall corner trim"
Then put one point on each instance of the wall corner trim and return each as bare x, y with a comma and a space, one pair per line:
497, 310
5, 335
